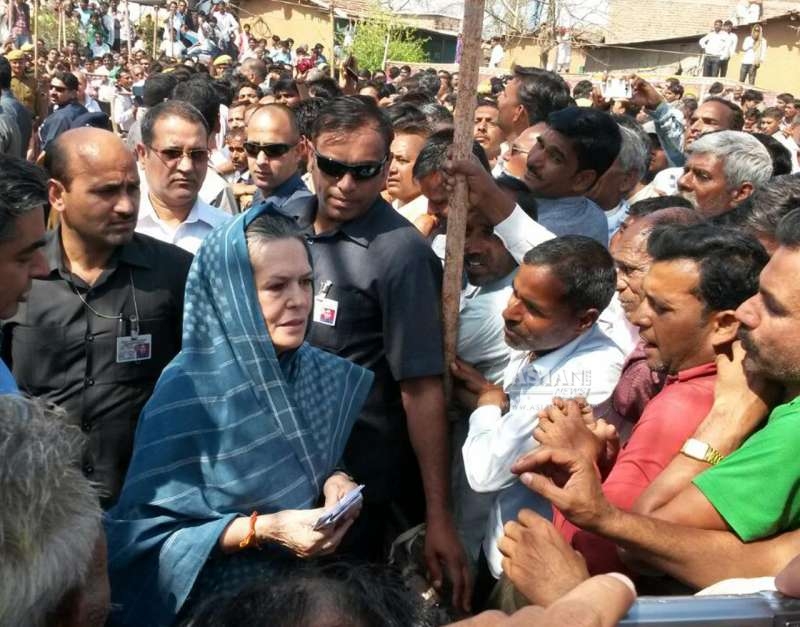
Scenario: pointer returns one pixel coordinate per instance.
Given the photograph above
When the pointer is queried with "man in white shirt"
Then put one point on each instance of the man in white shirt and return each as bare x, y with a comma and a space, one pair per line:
173, 156
733, 43
124, 108
497, 54
226, 23
99, 47
559, 349
715, 45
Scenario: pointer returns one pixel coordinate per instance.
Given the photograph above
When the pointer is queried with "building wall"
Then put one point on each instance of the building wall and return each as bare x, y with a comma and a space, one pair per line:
306, 25
648, 20
777, 73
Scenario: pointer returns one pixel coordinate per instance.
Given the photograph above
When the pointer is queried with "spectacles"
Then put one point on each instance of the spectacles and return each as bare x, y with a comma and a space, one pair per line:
359, 171
515, 150
170, 156
272, 151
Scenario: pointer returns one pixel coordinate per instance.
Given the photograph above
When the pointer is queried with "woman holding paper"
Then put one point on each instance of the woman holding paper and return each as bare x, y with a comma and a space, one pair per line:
246, 418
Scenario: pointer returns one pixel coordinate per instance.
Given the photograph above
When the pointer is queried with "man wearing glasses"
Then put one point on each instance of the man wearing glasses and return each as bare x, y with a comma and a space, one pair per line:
378, 288
64, 99
173, 156
274, 151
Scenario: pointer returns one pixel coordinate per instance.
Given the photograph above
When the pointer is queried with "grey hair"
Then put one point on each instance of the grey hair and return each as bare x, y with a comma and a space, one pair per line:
269, 227
23, 188
746, 160
634, 154
50, 518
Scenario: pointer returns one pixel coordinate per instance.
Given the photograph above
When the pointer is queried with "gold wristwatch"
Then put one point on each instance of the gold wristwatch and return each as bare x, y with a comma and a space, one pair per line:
701, 451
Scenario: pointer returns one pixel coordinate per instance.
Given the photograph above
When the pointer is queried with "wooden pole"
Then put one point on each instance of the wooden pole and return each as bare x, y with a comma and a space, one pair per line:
155, 31
331, 56
464, 120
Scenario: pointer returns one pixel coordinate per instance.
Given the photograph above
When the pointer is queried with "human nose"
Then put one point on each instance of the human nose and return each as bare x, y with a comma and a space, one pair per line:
512, 311
347, 183
747, 313
685, 182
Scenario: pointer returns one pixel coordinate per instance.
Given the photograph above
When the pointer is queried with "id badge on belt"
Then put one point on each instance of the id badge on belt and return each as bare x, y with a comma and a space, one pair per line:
325, 309
134, 347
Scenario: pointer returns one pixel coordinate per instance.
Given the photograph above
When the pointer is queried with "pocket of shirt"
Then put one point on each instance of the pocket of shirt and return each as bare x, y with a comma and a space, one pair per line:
41, 358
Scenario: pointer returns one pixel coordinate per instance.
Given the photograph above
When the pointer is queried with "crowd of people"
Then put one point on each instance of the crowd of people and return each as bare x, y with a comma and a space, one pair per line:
220, 304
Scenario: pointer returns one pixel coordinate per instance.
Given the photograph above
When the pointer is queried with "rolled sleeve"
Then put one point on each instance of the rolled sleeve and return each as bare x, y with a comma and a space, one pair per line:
670, 128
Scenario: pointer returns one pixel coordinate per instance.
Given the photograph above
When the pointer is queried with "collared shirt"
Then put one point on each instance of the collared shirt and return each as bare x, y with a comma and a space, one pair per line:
59, 121
62, 344
386, 282
668, 420
576, 215
291, 189
587, 366
189, 234
413, 209
715, 44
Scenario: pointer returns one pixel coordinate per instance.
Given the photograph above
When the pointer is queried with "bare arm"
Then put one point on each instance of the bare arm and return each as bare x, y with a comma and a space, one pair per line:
698, 557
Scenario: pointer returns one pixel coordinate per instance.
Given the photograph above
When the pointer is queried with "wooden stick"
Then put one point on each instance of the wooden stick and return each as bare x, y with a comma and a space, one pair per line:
155, 32
459, 203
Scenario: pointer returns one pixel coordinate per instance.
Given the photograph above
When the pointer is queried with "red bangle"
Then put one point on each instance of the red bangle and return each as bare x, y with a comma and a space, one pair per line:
251, 539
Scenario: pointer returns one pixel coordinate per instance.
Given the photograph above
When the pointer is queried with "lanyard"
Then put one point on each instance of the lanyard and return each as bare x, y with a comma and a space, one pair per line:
134, 319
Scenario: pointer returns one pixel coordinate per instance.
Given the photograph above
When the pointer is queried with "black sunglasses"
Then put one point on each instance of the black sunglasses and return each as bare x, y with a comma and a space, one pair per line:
271, 150
359, 171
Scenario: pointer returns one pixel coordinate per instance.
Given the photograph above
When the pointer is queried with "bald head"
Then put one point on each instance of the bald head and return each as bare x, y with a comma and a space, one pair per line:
83, 148
274, 119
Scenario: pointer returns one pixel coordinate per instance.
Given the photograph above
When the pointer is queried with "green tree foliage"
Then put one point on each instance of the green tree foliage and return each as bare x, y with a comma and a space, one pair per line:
371, 36
48, 26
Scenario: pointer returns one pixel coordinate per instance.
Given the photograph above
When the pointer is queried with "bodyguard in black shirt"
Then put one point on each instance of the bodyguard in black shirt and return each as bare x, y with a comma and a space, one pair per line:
97, 331
378, 290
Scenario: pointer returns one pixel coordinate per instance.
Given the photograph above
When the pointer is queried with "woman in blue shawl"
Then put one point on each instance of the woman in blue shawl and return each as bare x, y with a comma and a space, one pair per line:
246, 418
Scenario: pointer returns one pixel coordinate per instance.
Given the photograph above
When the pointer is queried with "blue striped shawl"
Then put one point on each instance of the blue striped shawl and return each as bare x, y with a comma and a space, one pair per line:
229, 429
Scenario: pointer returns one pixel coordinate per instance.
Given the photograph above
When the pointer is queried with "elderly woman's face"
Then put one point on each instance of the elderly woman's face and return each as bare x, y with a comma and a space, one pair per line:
283, 279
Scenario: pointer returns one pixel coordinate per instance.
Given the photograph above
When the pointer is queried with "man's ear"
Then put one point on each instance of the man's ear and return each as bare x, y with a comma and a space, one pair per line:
725, 326
741, 193
55, 195
583, 181
141, 152
519, 112
587, 319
